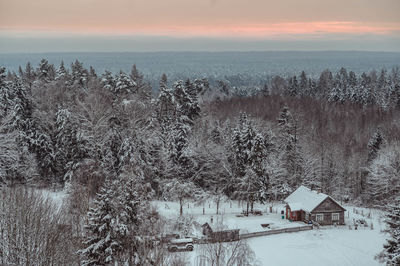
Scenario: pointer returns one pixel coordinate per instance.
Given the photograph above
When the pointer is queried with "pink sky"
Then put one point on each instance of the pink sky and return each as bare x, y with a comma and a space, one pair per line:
363, 24
247, 18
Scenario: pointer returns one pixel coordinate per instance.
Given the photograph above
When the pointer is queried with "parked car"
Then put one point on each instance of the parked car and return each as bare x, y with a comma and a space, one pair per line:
181, 244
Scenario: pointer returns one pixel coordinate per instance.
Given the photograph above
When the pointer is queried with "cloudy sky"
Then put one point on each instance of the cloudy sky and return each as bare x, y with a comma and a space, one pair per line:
157, 25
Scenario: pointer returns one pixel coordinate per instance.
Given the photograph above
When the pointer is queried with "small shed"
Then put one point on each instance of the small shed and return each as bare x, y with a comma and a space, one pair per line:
220, 236
306, 205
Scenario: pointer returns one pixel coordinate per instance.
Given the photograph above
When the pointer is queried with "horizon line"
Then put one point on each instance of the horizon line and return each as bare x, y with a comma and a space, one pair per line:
208, 51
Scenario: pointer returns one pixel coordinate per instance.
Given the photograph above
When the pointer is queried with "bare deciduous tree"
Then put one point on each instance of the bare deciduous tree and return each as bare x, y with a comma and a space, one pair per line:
219, 253
32, 230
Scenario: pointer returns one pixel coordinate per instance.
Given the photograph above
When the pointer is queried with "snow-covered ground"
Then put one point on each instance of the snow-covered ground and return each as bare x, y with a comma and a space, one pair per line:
328, 245
325, 246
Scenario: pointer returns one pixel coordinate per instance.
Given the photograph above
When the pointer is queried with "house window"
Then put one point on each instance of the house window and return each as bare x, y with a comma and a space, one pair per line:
335, 216
319, 217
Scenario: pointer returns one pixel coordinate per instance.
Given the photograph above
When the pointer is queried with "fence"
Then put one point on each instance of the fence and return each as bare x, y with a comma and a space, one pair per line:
276, 231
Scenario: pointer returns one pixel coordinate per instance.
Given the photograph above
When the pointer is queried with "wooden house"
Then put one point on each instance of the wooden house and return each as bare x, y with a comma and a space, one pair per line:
306, 205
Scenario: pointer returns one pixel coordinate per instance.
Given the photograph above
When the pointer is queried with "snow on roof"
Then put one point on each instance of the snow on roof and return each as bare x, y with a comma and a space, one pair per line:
305, 199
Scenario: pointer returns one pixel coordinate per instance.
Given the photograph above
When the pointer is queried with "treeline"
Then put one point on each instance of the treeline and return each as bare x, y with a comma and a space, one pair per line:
69, 124
374, 88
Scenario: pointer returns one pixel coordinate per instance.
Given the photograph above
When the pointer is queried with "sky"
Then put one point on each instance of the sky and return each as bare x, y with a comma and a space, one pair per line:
209, 25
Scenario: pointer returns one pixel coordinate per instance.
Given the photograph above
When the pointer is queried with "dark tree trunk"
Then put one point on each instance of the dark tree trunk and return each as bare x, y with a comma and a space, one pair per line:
247, 207
181, 207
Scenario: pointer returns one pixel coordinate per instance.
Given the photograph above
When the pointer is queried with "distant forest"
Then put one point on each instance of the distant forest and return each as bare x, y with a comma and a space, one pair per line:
252, 68
71, 126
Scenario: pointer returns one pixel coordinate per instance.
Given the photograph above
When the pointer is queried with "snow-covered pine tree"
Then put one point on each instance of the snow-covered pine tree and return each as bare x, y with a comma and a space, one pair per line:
201, 85
374, 145
142, 87
62, 72
22, 116
352, 89
367, 93
247, 135
166, 106
126, 154
108, 81
291, 154
17, 165
124, 84
293, 86
192, 91
257, 160
383, 179
335, 94
324, 84
248, 187
343, 77
180, 135
248, 162
136, 75
303, 85
70, 146
22, 110
382, 90
6, 94
79, 74
29, 75
104, 230
135, 215
216, 134
43, 71
110, 152
391, 252
92, 73
239, 148
183, 100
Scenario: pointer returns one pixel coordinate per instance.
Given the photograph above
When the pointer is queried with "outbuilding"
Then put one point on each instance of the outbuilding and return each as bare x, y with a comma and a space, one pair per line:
306, 205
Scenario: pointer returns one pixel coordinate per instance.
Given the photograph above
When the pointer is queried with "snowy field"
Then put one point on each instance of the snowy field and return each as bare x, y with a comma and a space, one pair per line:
328, 245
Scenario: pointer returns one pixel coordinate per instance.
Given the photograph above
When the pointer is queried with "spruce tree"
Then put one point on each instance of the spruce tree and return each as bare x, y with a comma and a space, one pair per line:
291, 154
192, 91
79, 74
70, 145
29, 75
179, 152
61, 73
6, 94
166, 107
391, 252
383, 178
124, 84
303, 86
108, 81
104, 231
374, 145
142, 87
43, 71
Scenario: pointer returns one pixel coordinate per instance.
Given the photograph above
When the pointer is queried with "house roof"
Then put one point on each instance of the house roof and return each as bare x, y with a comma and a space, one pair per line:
305, 199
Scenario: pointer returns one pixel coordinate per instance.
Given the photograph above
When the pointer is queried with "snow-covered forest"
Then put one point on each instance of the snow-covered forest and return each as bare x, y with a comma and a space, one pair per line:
114, 144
